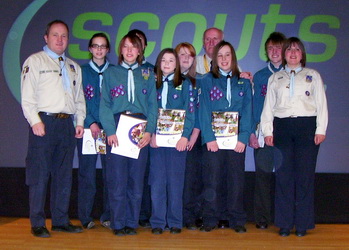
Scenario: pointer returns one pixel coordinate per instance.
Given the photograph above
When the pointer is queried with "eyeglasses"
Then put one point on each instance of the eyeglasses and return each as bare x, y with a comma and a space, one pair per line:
96, 46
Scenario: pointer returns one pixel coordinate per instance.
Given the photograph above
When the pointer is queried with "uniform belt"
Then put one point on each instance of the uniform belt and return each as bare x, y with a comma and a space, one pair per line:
56, 115
126, 112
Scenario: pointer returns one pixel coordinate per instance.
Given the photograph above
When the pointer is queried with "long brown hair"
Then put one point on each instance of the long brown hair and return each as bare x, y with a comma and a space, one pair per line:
234, 65
177, 79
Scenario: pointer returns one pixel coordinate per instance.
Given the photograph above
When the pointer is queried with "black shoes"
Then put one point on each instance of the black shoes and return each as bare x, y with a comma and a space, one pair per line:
119, 232
144, 223
175, 230
223, 224
284, 232
206, 228
130, 231
240, 229
262, 225
40, 232
199, 222
68, 228
301, 233
89, 225
191, 226
157, 230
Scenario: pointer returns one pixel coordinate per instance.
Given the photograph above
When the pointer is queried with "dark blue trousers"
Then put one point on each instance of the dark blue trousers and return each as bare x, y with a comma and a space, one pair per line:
125, 180
50, 156
192, 198
295, 155
264, 184
87, 186
146, 200
233, 165
166, 179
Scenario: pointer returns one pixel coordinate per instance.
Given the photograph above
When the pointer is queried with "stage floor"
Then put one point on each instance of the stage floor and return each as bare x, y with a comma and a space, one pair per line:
15, 234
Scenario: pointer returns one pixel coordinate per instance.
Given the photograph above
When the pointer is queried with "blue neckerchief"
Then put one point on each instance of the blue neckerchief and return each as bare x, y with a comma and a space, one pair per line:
164, 92
292, 73
273, 69
130, 80
61, 64
99, 70
228, 76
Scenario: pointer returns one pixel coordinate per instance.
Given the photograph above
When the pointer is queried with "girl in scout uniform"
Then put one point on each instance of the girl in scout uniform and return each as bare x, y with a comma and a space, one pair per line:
294, 120
193, 171
223, 90
128, 88
92, 76
167, 165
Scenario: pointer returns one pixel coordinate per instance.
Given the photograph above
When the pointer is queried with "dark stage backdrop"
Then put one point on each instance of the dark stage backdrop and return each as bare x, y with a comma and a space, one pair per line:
321, 24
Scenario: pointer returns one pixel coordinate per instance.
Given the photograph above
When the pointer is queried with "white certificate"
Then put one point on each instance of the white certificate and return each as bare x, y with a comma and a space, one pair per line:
129, 132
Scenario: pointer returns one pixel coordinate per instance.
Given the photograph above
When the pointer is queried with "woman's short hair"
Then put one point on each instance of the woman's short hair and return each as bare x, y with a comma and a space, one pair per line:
288, 43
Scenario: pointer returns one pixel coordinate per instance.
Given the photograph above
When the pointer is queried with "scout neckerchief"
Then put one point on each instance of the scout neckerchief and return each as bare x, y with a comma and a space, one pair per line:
61, 64
165, 80
272, 68
130, 80
206, 64
99, 71
292, 73
228, 76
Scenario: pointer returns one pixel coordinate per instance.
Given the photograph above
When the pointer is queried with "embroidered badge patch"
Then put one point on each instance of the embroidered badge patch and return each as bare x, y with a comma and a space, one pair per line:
89, 92
264, 90
26, 70
118, 91
146, 73
215, 94
309, 78
72, 68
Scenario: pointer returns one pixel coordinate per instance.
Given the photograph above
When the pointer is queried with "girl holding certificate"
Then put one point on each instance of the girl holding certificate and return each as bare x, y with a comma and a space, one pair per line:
128, 88
222, 90
92, 76
167, 164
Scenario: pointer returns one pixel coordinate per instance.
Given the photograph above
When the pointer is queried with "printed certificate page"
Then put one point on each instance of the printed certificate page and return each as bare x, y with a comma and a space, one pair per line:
225, 128
129, 132
169, 127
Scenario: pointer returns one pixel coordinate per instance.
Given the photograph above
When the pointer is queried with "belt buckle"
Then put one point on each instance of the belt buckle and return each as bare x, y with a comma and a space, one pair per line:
61, 116
127, 112
293, 116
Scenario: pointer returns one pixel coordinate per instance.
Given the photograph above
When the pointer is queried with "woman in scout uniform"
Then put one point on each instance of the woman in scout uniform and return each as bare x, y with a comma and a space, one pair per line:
167, 165
294, 120
129, 88
92, 76
223, 90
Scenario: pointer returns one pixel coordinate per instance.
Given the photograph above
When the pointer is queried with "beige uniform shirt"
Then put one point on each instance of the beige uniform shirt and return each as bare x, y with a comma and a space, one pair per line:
309, 99
42, 89
201, 61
